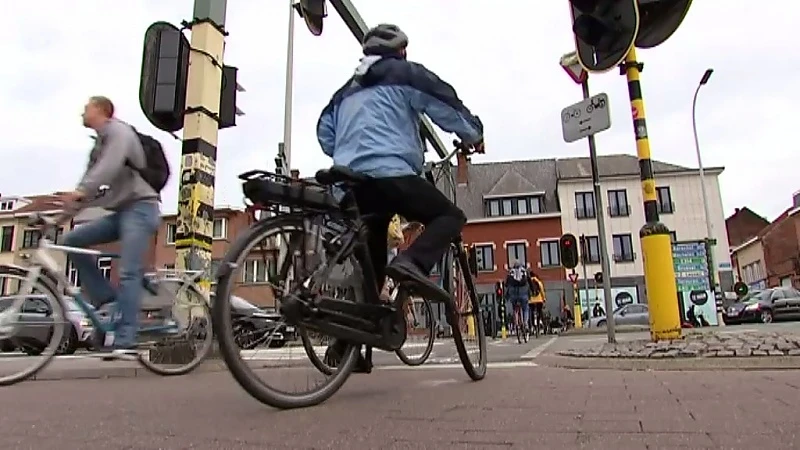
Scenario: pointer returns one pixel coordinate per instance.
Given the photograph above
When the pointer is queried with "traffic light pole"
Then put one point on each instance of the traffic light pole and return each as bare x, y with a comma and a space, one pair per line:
195, 224
659, 272
601, 231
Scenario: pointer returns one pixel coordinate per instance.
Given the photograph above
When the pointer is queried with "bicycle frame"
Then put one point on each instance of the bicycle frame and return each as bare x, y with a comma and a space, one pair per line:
43, 265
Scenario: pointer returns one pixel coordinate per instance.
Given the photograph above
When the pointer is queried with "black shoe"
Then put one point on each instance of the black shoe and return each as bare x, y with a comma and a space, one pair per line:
333, 356
403, 270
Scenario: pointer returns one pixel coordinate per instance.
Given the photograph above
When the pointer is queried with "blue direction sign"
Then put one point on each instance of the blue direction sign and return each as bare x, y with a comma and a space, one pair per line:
690, 260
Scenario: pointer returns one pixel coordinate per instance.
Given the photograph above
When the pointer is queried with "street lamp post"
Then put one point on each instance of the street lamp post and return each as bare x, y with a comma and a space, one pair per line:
709, 224
287, 105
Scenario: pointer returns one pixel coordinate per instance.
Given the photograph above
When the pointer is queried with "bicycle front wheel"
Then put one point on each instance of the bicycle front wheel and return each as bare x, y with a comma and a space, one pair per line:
421, 329
35, 331
464, 313
291, 235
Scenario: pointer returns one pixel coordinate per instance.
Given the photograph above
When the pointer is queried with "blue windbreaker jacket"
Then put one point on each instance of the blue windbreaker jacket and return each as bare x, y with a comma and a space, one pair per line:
371, 124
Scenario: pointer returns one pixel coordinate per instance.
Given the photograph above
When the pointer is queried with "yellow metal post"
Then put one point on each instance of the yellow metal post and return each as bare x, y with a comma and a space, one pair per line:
659, 272
577, 306
199, 150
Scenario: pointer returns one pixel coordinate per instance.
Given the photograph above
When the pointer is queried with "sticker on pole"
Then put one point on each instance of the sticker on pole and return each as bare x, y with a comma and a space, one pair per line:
586, 118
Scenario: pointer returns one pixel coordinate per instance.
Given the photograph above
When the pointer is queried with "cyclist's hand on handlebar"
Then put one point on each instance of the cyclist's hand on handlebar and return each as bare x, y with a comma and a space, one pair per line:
479, 147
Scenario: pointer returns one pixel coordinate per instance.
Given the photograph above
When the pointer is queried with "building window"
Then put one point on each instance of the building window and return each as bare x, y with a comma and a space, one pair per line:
169, 266
30, 238
584, 205
172, 231
214, 267
7, 238
104, 264
257, 270
549, 253
665, 204
7, 205
623, 248
618, 203
514, 206
517, 251
484, 256
673, 236
59, 233
220, 230
591, 251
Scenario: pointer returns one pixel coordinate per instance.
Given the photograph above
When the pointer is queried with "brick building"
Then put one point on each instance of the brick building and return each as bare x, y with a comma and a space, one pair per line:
743, 225
781, 243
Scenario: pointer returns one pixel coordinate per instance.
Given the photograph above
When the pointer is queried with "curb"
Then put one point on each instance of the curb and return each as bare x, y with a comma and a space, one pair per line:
675, 364
95, 373
598, 331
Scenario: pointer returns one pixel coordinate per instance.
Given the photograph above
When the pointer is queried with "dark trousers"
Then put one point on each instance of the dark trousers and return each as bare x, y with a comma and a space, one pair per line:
416, 200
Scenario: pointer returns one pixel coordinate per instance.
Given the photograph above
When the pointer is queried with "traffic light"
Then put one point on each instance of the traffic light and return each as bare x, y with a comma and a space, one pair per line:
605, 30
658, 20
313, 12
165, 69
498, 289
472, 259
740, 289
228, 111
598, 277
569, 251
165, 72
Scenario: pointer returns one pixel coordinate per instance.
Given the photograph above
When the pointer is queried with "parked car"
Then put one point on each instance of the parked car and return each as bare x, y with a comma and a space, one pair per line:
764, 306
633, 314
36, 327
254, 326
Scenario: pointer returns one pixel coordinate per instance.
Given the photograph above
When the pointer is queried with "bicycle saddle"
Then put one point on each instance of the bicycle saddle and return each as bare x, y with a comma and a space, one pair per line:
339, 174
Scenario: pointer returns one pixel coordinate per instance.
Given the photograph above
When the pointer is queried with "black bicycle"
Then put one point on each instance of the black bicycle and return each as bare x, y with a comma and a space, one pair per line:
332, 237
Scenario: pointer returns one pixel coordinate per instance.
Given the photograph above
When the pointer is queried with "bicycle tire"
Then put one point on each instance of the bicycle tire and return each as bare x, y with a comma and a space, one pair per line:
455, 259
308, 346
208, 341
221, 315
418, 361
518, 325
47, 286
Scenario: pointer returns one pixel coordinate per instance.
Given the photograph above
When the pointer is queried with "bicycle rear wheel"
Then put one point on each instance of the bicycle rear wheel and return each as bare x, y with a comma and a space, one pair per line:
187, 349
464, 313
417, 337
38, 327
281, 231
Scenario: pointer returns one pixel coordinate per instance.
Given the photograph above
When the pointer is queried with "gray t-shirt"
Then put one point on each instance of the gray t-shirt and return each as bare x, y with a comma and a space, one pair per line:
116, 146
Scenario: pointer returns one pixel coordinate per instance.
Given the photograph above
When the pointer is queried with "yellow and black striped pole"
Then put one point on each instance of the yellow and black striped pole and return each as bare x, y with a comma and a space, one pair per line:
659, 272
200, 129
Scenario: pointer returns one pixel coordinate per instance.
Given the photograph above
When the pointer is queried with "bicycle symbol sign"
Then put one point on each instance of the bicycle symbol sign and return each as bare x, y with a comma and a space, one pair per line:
586, 118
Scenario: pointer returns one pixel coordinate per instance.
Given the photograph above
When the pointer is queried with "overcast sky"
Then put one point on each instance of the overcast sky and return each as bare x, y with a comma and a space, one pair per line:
503, 61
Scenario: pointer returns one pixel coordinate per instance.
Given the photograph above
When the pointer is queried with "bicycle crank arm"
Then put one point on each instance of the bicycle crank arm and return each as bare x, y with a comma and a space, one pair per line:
354, 335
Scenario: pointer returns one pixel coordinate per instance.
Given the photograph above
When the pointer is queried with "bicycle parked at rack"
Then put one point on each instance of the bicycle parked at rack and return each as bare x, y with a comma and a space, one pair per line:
332, 234
44, 279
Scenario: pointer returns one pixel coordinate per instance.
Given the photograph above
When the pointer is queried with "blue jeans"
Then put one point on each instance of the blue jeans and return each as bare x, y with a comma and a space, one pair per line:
522, 301
134, 227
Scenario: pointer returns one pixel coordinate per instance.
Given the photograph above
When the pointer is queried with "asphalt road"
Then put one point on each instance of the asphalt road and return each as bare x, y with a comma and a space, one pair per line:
531, 407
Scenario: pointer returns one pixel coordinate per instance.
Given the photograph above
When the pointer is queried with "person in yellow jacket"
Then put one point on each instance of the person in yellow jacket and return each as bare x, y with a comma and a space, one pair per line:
536, 300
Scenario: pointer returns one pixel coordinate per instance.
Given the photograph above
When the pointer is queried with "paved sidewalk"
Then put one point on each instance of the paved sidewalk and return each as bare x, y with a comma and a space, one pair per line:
513, 408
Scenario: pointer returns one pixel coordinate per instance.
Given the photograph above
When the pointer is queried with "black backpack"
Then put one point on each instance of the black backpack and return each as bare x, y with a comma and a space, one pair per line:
156, 168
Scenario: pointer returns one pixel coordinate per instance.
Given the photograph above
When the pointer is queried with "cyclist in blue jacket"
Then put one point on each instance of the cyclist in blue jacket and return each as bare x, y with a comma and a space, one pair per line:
371, 125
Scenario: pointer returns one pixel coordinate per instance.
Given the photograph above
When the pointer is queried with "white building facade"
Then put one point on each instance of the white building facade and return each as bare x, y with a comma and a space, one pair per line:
680, 206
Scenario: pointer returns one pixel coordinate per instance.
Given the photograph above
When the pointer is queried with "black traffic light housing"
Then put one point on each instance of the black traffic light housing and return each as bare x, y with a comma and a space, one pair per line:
568, 247
658, 20
498, 289
740, 289
165, 70
598, 277
605, 31
472, 260
313, 13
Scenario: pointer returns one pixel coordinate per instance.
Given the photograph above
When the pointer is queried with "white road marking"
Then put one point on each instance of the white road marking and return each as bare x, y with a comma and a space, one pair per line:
538, 350
428, 366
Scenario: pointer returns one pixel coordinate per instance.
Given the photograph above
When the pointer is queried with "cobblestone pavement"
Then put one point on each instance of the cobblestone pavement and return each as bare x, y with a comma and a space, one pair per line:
405, 410
707, 344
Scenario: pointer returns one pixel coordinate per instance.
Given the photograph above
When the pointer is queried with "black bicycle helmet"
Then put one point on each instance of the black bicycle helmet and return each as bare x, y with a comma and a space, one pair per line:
384, 39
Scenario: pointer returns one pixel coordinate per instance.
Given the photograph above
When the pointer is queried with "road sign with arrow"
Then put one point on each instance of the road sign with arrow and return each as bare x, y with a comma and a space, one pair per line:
586, 118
